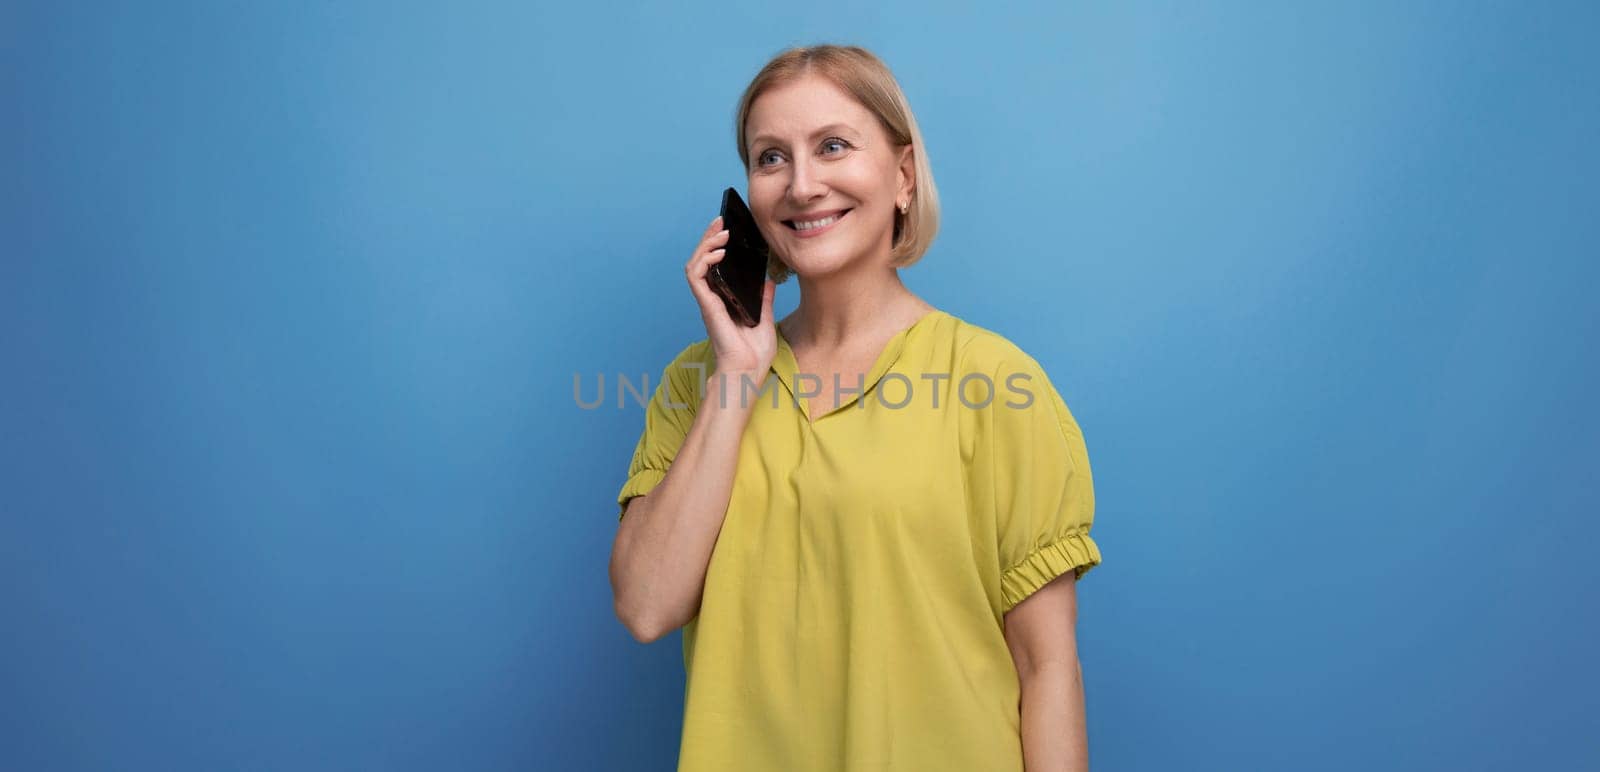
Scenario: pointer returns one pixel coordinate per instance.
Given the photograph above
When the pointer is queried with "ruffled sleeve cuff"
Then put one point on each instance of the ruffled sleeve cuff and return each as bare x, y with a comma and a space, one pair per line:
642, 482
1075, 552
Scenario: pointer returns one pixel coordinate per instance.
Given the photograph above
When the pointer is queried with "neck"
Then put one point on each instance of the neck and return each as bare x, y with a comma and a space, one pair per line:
840, 309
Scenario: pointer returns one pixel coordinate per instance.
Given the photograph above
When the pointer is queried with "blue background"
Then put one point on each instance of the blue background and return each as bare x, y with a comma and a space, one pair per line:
293, 296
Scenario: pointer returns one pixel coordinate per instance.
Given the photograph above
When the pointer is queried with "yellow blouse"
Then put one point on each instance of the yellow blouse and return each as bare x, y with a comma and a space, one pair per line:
852, 612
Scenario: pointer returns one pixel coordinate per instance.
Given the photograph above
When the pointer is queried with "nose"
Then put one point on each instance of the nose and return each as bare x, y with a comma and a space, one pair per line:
805, 183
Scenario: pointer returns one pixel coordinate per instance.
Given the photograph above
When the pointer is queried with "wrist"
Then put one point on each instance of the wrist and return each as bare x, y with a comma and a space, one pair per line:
733, 388
733, 374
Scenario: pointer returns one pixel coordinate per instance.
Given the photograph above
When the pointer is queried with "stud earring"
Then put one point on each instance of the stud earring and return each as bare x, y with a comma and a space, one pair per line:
904, 205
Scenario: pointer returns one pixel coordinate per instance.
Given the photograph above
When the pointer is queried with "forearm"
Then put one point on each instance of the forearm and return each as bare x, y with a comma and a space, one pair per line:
663, 549
1055, 735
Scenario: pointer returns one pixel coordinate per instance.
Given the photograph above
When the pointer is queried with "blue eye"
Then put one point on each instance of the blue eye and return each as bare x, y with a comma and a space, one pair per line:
761, 160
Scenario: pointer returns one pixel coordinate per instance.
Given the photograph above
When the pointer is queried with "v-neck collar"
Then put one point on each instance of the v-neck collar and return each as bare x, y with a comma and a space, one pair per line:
786, 367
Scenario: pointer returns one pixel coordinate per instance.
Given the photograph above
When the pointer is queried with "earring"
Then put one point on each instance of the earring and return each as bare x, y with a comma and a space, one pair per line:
904, 205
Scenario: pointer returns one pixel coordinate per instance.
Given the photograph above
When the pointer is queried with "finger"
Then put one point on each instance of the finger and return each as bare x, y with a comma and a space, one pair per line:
701, 289
696, 272
697, 269
703, 251
710, 231
707, 243
712, 307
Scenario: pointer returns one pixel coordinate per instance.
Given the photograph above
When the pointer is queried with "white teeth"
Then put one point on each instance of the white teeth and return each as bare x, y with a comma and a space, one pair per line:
805, 226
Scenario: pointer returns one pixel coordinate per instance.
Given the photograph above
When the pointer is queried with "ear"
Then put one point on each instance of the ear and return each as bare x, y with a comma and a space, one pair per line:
907, 172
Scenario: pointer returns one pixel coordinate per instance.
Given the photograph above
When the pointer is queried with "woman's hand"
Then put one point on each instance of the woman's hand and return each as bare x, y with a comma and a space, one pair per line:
739, 349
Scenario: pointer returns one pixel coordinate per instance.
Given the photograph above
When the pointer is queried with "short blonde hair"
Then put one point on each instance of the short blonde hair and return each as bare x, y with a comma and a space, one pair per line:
866, 78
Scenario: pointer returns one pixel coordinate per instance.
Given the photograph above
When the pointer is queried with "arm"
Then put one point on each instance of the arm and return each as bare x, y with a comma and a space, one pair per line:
1041, 632
664, 543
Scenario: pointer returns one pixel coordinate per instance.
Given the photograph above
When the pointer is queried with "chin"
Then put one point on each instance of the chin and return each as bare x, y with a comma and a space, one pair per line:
819, 265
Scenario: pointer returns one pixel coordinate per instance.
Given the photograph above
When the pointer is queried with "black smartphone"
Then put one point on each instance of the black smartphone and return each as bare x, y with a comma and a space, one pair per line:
739, 277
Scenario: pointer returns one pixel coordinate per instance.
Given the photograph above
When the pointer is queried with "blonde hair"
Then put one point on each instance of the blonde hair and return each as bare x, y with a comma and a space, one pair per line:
866, 78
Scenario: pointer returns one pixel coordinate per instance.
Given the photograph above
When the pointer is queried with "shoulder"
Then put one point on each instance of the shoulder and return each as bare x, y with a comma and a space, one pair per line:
695, 351
983, 350
690, 354
1016, 376
694, 358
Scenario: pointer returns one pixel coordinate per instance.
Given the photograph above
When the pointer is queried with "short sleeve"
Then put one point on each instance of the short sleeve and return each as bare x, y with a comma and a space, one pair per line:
1031, 466
667, 418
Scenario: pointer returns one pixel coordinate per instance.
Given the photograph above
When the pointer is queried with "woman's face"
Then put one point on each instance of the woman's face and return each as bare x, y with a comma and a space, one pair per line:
814, 153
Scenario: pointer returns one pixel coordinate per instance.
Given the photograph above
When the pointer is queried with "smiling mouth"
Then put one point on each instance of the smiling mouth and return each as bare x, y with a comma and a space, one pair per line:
831, 218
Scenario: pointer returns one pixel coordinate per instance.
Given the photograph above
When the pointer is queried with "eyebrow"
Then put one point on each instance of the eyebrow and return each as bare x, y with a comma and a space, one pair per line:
832, 127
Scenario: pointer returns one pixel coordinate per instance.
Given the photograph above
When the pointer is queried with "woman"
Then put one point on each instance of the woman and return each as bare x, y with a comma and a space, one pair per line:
874, 558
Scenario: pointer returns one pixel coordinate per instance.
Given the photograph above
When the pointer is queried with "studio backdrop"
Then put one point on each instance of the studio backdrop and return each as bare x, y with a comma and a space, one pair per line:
294, 298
